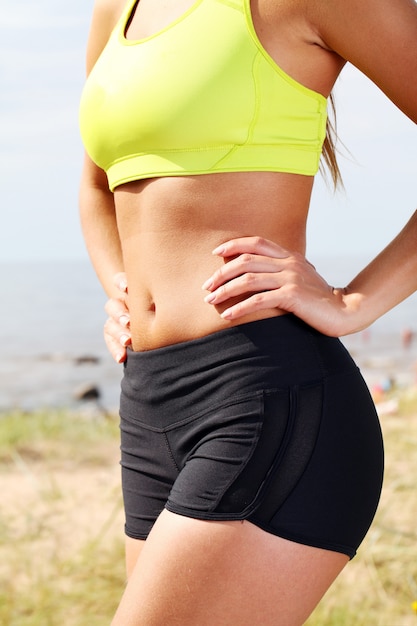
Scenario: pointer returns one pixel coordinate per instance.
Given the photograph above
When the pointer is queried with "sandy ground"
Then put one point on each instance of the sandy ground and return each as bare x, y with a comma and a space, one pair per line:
50, 510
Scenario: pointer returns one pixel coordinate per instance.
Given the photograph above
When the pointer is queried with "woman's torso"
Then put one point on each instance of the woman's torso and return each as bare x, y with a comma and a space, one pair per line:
169, 226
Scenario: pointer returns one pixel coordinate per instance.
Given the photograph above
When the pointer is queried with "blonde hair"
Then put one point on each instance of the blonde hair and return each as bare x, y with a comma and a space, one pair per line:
329, 149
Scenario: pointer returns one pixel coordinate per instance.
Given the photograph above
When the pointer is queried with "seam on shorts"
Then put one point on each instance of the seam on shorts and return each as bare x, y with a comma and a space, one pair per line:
280, 457
233, 400
132, 535
349, 371
261, 411
280, 454
171, 456
211, 516
230, 402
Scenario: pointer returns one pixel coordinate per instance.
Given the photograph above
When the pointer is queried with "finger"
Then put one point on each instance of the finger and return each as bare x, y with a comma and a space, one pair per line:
120, 281
256, 245
118, 311
289, 297
251, 282
244, 263
256, 302
117, 339
117, 332
118, 352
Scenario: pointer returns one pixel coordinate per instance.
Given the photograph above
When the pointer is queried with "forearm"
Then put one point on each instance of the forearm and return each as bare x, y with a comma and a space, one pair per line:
98, 222
385, 282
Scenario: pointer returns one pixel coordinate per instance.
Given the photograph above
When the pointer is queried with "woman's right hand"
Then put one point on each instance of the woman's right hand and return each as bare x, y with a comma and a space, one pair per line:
117, 326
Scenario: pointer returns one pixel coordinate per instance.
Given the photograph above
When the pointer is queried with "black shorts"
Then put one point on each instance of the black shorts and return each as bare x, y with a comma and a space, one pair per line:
268, 421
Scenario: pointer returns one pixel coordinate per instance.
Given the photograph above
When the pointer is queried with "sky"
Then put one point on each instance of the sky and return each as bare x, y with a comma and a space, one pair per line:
42, 50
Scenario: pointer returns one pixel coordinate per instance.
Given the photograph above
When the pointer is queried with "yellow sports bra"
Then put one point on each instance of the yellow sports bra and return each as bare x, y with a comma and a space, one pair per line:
200, 96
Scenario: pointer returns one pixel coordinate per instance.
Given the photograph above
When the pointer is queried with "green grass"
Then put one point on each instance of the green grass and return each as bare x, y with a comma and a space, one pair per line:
80, 591
53, 573
49, 434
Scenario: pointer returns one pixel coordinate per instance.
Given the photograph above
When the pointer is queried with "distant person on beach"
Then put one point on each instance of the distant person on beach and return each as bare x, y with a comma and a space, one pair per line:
407, 336
251, 451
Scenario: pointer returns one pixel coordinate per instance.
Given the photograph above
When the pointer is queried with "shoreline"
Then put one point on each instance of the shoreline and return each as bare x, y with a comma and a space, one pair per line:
52, 338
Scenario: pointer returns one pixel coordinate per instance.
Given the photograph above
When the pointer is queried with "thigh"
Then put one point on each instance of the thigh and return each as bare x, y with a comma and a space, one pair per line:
133, 549
214, 573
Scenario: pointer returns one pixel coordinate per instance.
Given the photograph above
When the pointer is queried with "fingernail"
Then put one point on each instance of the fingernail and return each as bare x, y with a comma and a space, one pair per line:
120, 358
219, 250
124, 340
124, 320
210, 298
226, 315
207, 284
123, 285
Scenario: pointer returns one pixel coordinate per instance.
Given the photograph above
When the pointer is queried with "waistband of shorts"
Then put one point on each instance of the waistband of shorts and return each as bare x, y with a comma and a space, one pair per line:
276, 335
284, 333
272, 353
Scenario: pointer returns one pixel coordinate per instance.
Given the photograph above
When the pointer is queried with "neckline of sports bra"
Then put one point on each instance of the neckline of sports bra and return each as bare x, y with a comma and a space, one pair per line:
129, 13
126, 17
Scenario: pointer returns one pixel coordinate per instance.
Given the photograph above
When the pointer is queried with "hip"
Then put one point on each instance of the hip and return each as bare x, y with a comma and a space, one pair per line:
269, 354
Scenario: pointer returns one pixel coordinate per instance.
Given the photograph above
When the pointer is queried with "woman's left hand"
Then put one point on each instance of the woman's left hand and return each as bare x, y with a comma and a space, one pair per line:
267, 276
117, 327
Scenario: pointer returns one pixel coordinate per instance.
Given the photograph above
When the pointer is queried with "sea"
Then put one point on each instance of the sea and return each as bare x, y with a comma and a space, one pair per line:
52, 347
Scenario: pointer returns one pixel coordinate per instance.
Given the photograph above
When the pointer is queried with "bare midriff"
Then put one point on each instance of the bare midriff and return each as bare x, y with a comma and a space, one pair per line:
168, 228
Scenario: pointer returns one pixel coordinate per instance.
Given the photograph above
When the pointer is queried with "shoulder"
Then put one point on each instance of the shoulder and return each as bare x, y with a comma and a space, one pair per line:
108, 11
105, 16
377, 36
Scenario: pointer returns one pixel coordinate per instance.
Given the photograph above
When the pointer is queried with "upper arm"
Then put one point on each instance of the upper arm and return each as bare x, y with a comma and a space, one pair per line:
379, 37
105, 16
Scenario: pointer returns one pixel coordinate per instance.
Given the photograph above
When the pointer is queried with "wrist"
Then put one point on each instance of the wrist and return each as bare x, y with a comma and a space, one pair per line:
355, 313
